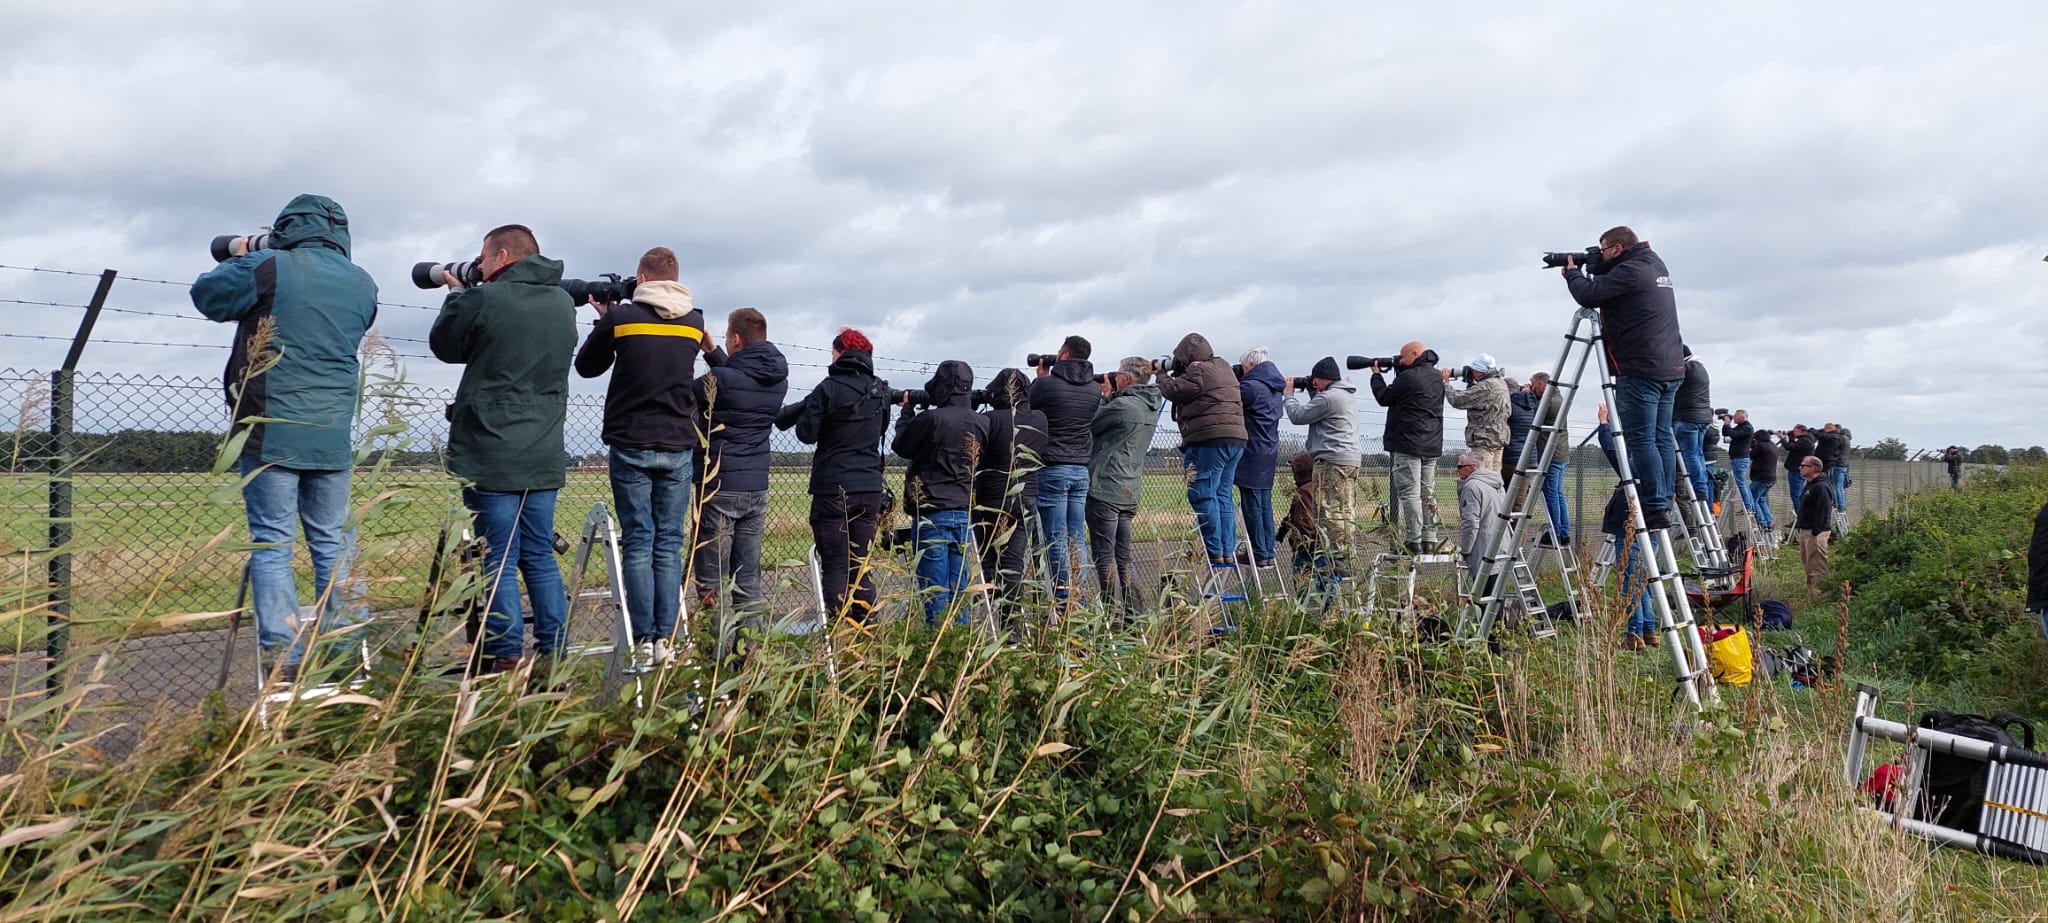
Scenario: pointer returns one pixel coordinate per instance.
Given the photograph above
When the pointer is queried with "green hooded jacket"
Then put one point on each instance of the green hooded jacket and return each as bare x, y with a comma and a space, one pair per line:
515, 336
320, 304
1123, 429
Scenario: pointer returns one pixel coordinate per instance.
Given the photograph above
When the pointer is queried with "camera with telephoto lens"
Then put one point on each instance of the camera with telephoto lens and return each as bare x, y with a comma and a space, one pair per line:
1042, 360
224, 246
1586, 257
914, 397
1303, 383
1472, 376
430, 275
1722, 413
1355, 363
610, 288
1168, 365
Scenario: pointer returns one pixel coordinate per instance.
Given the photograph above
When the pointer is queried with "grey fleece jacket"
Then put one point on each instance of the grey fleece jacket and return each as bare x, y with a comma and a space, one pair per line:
1481, 498
1331, 421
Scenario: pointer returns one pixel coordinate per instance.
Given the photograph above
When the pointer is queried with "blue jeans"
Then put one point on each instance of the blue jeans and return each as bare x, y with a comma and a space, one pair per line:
1841, 475
941, 539
1553, 500
1644, 407
1738, 469
1209, 495
1761, 490
1063, 508
1258, 520
1642, 621
280, 502
1692, 444
1796, 484
651, 494
518, 529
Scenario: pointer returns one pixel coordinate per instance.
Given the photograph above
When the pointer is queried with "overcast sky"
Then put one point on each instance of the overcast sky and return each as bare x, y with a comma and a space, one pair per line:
1847, 194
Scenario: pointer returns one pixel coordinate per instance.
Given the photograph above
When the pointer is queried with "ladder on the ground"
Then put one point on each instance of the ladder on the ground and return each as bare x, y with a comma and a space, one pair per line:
1765, 541
272, 697
1582, 342
1702, 531
1566, 559
1603, 563
1247, 551
1533, 607
1390, 585
623, 662
2011, 823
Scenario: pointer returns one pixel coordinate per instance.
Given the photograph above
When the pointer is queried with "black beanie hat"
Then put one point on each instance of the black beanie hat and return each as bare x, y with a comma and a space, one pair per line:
1326, 369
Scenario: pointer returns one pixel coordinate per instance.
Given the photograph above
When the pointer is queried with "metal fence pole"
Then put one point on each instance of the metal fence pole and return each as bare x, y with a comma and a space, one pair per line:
58, 637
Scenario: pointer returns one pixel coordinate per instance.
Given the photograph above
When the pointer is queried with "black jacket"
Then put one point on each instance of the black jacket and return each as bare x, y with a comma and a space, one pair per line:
1068, 398
1415, 407
1638, 314
1816, 511
651, 401
1738, 435
1763, 462
1695, 404
1953, 458
1015, 447
1521, 418
845, 416
1797, 448
2037, 564
1833, 448
935, 442
741, 396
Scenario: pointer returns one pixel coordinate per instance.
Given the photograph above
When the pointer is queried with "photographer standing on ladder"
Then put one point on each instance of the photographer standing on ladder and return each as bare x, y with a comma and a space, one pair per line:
513, 335
1333, 443
1639, 323
305, 375
1210, 413
1692, 416
650, 425
1414, 438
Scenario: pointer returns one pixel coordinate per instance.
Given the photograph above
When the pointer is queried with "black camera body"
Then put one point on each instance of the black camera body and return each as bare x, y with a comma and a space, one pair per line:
429, 275
1385, 363
1586, 257
223, 247
1303, 383
610, 288
1472, 376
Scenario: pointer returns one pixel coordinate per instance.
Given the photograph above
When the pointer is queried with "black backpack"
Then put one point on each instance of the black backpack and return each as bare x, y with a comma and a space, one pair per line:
1954, 794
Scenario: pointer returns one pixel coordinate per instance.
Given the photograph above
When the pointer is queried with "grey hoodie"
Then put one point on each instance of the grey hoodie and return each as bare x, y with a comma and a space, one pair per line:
1332, 422
1481, 498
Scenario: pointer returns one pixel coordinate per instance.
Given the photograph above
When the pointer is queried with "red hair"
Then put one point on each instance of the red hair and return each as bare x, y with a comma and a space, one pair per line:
850, 338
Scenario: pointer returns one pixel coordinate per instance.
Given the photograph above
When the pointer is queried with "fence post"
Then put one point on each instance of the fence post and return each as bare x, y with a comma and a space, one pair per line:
58, 637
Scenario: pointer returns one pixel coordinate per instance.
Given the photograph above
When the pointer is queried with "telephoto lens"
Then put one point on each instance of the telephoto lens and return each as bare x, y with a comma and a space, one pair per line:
1042, 360
1167, 365
429, 275
610, 288
223, 247
1355, 363
915, 397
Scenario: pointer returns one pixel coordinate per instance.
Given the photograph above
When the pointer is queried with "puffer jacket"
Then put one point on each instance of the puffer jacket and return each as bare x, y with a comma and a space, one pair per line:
845, 417
1521, 419
1068, 396
1415, 407
1206, 405
1123, 434
741, 396
1695, 402
1485, 403
936, 443
1638, 314
514, 336
1015, 447
1332, 421
655, 339
1259, 391
320, 304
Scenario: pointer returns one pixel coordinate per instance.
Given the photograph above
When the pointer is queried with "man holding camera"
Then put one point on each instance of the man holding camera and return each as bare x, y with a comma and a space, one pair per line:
943, 446
1952, 459
1737, 430
1692, 416
1832, 445
1414, 438
319, 304
1122, 432
1763, 474
740, 397
1210, 414
1333, 442
1485, 403
1548, 414
1066, 392
845, 416
650, 345
1259, 387
1639, 323
513, 335
1799, 446
1006, 487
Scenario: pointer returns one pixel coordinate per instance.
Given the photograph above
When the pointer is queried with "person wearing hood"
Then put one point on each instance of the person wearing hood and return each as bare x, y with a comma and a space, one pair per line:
1210, 414
513, 335
1006, 487
318, 304
845, 416
1259, 386
1067, 393
1122, 431
650, 345
1692, 416
944, 446
1414, 438
1303, 531
1631, 288
1481, 500
1333, 444
1485, 403
739, 397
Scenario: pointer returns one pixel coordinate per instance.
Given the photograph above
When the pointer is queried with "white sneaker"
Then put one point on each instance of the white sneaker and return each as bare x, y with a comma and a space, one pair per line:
664, 656
642, 659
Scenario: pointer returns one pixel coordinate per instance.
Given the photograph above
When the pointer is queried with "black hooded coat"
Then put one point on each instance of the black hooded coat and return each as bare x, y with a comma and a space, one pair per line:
1015, 449
936, 443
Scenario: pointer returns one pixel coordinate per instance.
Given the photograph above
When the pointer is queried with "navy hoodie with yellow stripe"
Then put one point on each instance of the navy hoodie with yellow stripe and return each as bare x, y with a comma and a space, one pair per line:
654, 340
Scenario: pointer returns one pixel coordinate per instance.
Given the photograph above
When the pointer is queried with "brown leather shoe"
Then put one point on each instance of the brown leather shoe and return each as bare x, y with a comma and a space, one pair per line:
1632, 643
500, 664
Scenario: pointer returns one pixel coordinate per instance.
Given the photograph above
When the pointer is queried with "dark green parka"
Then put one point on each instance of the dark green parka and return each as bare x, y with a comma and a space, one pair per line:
515, 335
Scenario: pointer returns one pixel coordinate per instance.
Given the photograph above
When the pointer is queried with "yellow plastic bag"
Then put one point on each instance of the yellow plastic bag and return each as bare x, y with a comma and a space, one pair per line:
1730, 659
